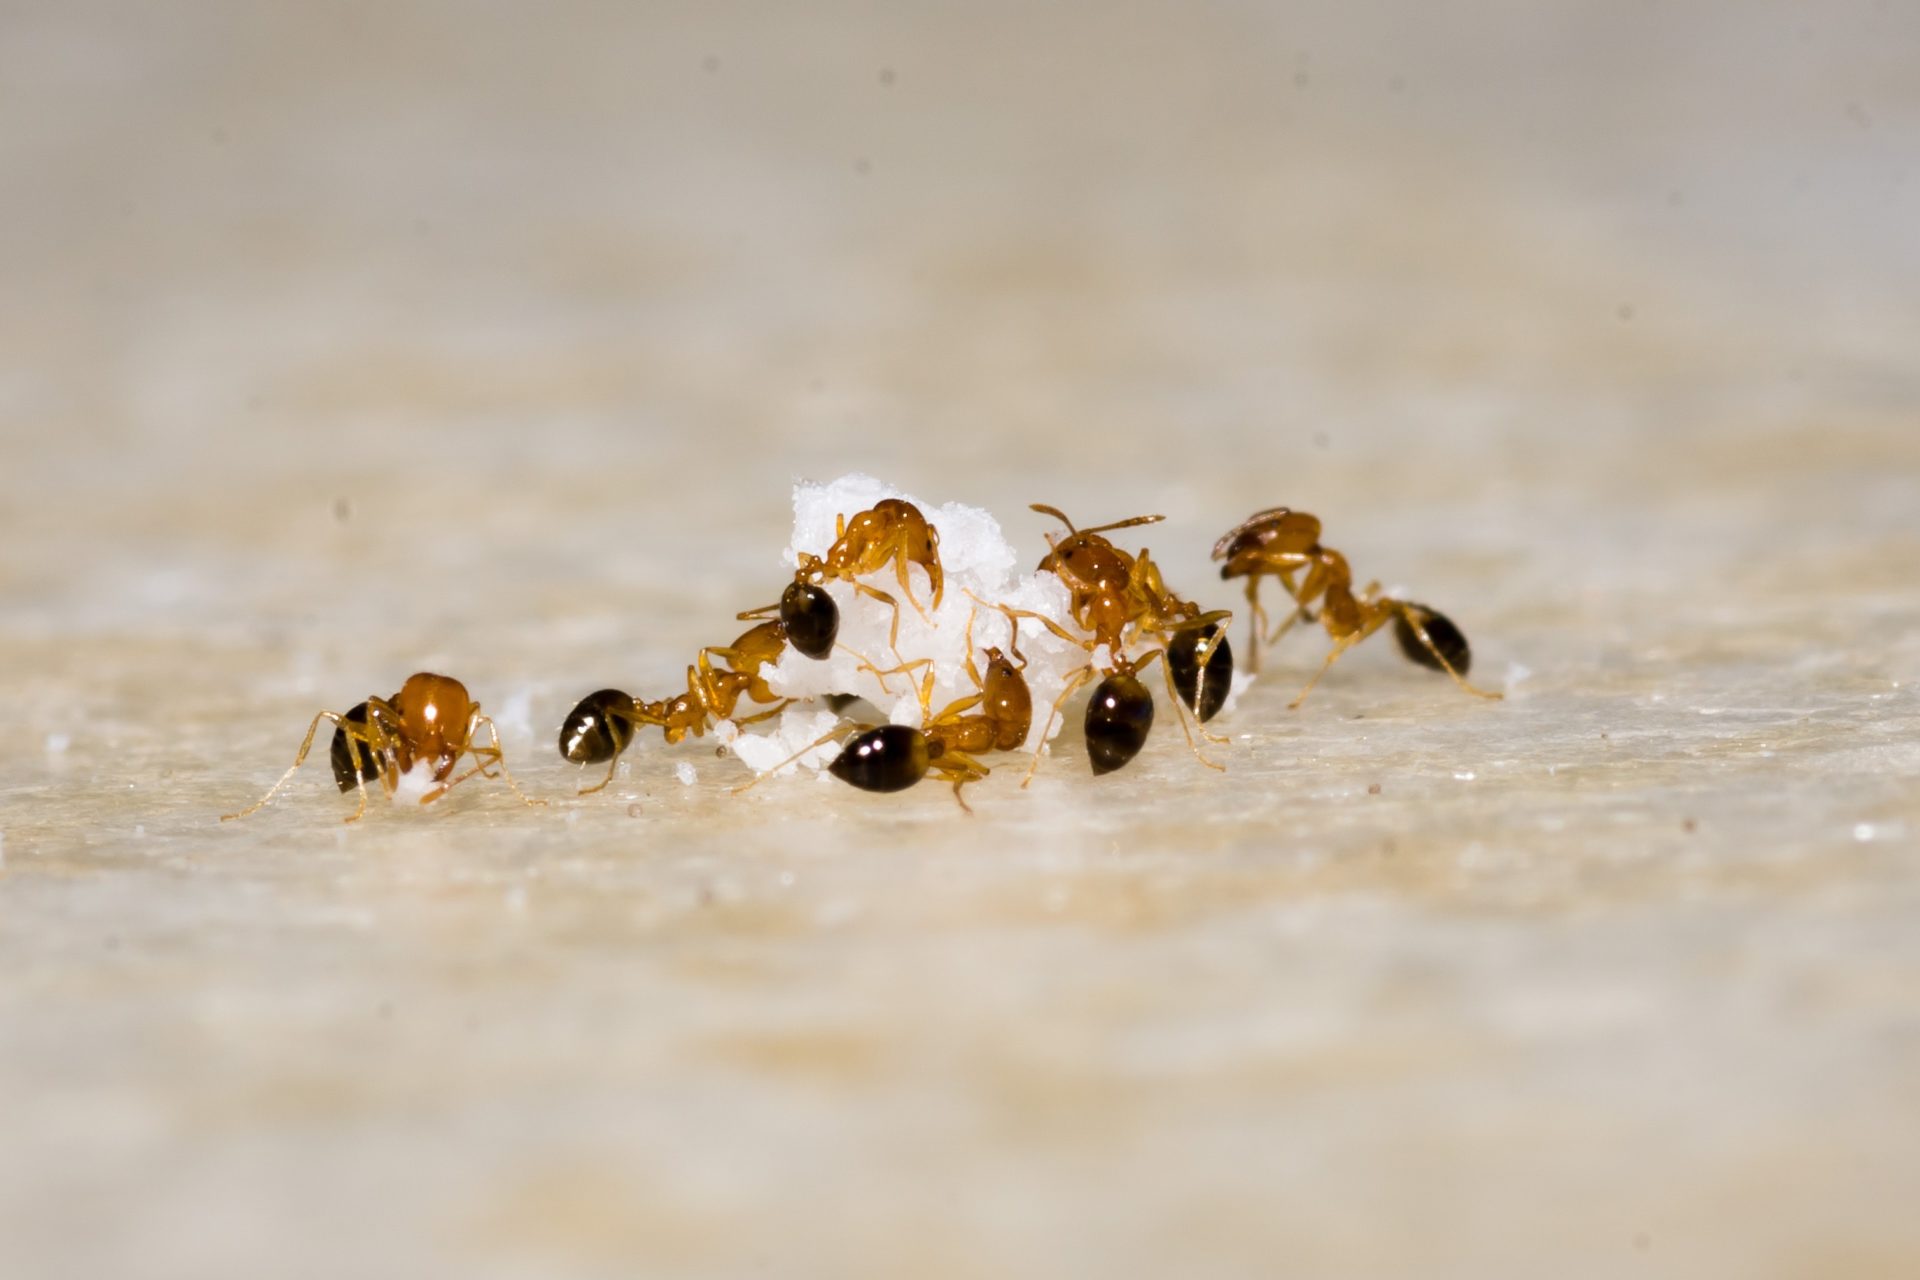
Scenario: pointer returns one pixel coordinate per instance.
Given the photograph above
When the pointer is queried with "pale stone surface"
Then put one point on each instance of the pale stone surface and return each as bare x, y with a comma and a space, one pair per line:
339, 342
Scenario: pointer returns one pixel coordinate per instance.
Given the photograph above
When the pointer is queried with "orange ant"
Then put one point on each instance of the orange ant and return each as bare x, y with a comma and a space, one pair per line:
1280, 543
431, 719
893, 529
602, 725
1110, 593
893, 757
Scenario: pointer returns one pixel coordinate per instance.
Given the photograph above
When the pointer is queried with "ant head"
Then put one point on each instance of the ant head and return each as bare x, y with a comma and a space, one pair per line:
996, 657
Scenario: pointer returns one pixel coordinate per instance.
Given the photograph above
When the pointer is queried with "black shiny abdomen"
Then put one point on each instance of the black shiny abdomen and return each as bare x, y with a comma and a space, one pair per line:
811, 618
343, 754
1446, 637
598, 729
890, 758
1118, 717
1181, 652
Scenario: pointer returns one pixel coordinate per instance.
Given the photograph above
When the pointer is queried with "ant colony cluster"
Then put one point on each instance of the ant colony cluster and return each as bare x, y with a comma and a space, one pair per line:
909, 643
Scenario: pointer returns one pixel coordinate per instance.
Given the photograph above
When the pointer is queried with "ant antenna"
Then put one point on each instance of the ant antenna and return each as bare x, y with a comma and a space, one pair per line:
1055, 512
1060, 515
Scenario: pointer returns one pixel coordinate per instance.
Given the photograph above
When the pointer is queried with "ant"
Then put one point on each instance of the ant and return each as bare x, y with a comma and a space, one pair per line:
1110, 593
431, 719
893, 757
602, 725
1281, 542
892, 530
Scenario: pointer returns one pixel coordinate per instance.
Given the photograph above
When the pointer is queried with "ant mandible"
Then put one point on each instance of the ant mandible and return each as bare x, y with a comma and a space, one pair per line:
604, 722
892, 530
1111, 593
1279, 542
431, 719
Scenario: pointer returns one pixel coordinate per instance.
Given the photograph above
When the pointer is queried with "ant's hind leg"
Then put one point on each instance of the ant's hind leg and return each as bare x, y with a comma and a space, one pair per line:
299, 759
1256, 622
602, 784
1073, 686
1412, 618
1181, 711
1340, 646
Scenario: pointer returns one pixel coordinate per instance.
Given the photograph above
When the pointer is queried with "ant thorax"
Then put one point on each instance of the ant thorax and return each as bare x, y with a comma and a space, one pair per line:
981, 574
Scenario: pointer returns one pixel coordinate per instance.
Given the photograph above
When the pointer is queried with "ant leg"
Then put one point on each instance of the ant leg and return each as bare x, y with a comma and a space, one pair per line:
1013, 636
958, 707
768, 714
893, 636
820, 741
973, 672
1074, 685
1180, 709
1256, 622
900, 563
500, 759
761, 614
305, 746
1411, 617
961, 769
1048, 623
868, 664
492, 755
602, 784
1340, 646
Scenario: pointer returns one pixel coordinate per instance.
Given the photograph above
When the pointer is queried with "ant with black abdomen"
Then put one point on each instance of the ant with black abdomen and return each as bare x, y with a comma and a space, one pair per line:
892, 531
1280, 543
432, 720
603, 724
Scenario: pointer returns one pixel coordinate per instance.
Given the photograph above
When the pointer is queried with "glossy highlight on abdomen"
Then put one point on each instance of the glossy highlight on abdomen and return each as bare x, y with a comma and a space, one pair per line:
1119, 715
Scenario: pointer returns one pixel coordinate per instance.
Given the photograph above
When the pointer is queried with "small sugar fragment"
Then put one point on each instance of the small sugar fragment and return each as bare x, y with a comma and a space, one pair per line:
57, 743
415, 783
687, 774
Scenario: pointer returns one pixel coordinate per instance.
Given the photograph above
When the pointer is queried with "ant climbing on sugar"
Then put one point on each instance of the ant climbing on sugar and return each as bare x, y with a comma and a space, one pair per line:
892, 531
893, 757
1112, 594
432, 719
1281, 543
604, 722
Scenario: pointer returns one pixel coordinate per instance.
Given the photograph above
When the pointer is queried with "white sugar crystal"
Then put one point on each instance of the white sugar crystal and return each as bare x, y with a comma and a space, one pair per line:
687, 774
798, 731
415, 783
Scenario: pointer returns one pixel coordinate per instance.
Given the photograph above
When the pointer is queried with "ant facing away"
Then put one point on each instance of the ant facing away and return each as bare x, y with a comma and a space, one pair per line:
1281, 543
892, 530
1113, 594
604, 723
431, 719
893, 757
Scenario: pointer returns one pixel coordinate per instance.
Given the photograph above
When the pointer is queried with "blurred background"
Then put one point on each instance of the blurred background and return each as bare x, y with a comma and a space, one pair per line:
339, 340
